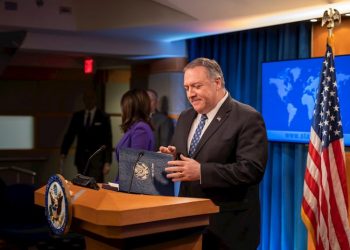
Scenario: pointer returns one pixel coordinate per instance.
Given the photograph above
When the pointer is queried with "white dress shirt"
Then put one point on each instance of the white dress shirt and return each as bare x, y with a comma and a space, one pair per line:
211, 115
92, 115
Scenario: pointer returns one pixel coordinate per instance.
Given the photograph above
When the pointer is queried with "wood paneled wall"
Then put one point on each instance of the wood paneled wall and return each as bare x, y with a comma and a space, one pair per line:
341, 36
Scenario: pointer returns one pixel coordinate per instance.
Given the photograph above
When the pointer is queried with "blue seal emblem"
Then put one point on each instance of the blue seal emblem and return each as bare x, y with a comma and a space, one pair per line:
58, 209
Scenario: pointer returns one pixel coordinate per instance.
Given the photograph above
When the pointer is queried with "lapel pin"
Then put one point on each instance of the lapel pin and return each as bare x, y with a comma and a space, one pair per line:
218, 118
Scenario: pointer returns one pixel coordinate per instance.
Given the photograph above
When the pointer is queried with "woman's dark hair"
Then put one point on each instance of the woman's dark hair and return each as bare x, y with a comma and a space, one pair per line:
136, 106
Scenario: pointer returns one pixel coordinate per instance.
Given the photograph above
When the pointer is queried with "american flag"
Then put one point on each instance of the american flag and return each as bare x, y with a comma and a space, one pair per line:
325, 202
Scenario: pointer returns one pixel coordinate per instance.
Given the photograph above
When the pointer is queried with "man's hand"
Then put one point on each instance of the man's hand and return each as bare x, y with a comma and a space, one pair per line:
171, 150
106, 168
185, 169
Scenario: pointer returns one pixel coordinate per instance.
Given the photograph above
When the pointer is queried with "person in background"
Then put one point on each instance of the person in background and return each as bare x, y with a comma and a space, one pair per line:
92, 128
162, 124
222, 149
136, 124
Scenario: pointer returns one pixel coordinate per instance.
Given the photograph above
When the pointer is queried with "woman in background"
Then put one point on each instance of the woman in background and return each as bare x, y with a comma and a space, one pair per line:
136, 124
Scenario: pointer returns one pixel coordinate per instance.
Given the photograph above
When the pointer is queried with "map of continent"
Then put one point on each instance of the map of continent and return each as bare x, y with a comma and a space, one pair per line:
290, 89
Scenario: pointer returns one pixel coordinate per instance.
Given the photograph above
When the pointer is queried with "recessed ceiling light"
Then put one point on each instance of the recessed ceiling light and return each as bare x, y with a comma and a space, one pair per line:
347, 14
314, 20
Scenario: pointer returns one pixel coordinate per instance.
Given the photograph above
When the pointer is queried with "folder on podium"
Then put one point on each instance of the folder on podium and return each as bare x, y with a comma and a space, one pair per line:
142, 172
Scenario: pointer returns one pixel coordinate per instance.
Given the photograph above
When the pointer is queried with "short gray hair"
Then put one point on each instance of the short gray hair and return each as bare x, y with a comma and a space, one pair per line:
212, 67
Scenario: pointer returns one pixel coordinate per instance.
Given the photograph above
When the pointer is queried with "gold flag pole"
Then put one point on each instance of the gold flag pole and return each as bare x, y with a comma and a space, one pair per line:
331, 18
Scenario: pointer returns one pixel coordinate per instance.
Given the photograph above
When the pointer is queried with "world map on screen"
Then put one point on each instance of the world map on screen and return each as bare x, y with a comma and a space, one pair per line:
289, 94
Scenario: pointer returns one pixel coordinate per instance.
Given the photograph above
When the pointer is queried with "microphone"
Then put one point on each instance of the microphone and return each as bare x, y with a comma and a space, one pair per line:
86, 181
133, 169
103, 147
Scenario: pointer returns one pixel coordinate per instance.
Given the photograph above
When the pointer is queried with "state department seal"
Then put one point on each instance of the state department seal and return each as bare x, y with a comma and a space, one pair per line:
58, 208
141, 171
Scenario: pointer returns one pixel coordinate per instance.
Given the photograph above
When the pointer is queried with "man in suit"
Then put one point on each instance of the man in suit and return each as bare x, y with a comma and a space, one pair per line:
163, 126
92, 128
221, 150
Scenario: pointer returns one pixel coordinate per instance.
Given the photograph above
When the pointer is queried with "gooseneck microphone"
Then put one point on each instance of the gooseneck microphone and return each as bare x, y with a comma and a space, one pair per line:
86, 181
103, 147
133, 169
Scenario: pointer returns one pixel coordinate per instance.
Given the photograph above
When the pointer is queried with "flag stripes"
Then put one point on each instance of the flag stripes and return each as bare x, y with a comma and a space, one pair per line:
325, 202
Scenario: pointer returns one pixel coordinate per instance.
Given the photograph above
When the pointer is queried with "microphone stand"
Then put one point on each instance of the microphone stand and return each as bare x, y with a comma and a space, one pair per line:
103, 147
86, 181
133, 169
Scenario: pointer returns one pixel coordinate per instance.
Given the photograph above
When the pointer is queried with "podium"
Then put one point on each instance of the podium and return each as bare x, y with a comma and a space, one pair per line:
115, 220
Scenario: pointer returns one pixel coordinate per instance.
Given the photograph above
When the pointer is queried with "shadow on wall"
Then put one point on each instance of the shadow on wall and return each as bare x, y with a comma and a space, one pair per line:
164, 105
9, 43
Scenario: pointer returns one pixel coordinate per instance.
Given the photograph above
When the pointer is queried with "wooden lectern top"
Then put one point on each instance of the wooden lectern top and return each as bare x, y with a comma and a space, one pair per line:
109, 209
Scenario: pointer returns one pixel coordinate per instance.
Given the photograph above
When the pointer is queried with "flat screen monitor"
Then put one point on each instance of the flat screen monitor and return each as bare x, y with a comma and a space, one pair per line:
289, 91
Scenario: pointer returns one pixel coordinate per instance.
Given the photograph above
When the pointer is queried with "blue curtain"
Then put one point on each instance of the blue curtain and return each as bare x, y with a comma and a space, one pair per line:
240, 55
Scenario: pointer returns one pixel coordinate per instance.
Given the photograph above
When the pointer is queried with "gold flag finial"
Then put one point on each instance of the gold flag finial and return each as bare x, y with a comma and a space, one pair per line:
332, 18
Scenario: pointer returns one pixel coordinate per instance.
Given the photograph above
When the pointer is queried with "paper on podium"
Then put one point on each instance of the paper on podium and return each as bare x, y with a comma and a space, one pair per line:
142, 172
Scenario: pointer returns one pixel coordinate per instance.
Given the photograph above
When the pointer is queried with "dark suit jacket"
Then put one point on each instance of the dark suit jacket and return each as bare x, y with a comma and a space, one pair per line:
233, 154
88, 141
163, 129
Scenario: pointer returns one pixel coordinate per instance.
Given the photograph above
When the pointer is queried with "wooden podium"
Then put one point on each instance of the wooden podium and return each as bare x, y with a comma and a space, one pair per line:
114, 220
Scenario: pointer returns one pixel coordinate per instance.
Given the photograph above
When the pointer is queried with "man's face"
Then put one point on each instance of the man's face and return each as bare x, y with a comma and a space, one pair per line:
201, 91
89, 99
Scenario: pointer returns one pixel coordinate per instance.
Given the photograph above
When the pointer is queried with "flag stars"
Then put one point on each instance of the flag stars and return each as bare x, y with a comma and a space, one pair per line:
328, 133
326, 118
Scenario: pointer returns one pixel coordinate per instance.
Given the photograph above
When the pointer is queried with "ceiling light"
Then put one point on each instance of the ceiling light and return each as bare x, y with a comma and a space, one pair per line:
314, 20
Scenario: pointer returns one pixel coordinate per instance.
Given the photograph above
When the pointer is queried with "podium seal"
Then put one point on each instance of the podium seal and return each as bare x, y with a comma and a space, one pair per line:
58, 208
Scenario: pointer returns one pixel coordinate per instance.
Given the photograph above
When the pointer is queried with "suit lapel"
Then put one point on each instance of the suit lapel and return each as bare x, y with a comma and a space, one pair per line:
215, 124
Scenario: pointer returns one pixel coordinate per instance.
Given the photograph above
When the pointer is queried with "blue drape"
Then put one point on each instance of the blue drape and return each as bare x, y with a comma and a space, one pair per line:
240, 55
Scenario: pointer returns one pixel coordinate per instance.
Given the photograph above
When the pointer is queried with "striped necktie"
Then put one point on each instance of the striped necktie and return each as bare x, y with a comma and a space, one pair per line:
197, 135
